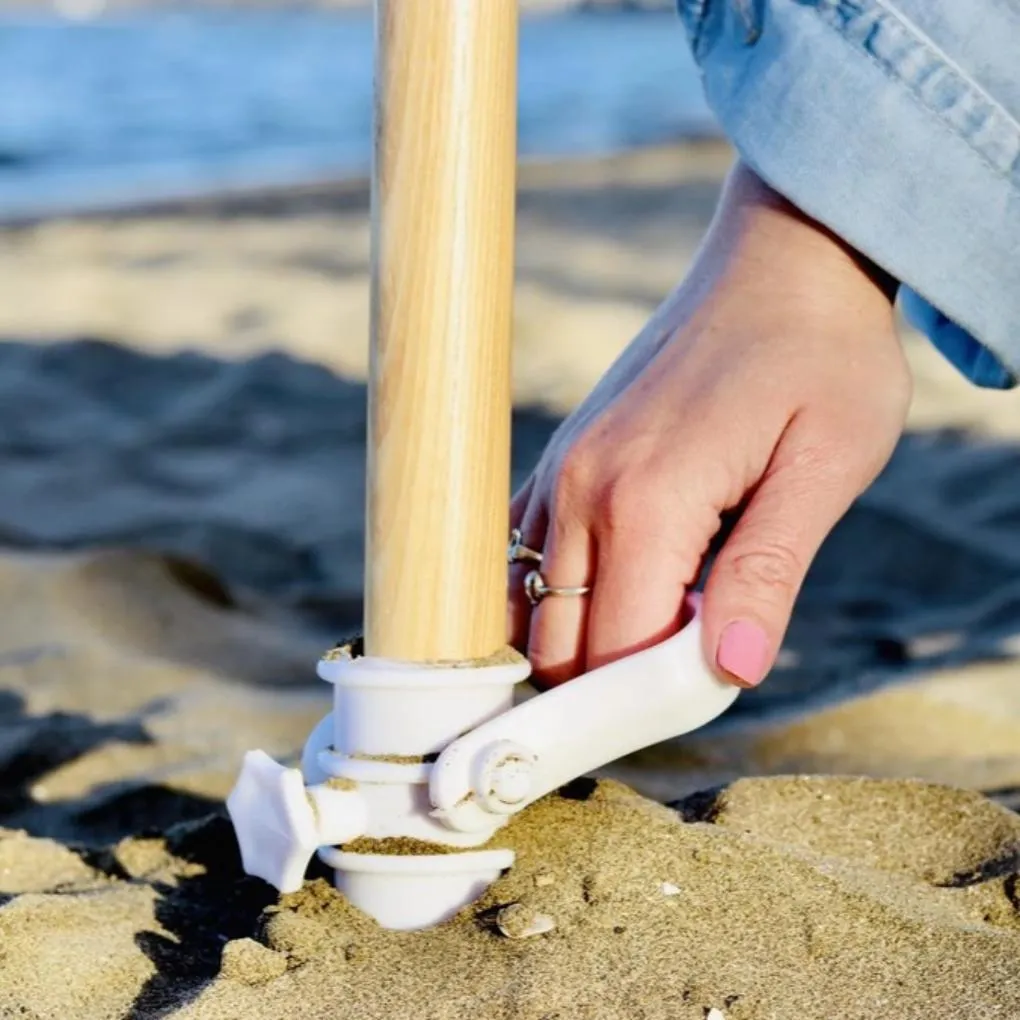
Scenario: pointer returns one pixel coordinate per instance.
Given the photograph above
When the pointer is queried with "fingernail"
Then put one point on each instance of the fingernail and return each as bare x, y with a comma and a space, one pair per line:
744, 652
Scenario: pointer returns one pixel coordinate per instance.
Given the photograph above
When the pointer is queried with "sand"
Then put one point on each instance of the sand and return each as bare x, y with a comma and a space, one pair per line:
181, 445
760, 901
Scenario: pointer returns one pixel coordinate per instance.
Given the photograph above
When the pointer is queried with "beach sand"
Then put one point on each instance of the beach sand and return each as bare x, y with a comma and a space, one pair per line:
181, 443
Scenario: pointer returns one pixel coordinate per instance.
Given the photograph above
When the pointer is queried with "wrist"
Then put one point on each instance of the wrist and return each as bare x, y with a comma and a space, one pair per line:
758, 232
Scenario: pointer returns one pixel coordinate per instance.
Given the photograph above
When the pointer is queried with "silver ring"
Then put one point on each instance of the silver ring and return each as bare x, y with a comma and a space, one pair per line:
517, 551
536, 589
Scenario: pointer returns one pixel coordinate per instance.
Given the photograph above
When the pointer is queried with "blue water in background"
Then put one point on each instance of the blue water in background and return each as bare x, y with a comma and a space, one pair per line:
167, 103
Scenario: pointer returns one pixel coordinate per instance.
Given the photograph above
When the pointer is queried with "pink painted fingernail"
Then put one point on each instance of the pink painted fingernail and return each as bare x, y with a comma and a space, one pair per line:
744, 652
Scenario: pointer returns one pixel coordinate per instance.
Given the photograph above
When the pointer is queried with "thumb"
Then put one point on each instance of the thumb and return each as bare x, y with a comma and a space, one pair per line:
758, 573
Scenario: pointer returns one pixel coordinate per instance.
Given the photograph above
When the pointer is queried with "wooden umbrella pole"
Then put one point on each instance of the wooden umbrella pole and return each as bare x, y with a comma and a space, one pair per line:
442, 278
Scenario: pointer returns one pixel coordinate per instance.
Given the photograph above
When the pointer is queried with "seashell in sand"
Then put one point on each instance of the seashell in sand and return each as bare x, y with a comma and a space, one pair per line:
517, 921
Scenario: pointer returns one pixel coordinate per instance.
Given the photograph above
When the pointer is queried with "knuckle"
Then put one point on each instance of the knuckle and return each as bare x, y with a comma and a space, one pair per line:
822, 453
621, 508
823, 457
832, 467
576, 476
773, 571
844, 466
636, 506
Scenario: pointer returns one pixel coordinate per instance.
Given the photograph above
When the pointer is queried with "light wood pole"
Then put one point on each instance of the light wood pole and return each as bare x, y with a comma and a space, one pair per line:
443, 188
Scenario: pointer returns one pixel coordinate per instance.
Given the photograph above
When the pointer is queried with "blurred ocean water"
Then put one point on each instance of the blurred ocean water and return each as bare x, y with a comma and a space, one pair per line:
131, 106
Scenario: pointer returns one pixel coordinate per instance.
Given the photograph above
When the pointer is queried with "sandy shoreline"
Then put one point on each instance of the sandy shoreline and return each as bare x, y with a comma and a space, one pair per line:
182, 513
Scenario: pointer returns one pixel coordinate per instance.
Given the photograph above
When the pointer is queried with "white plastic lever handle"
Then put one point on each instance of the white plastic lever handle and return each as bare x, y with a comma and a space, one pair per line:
512, 760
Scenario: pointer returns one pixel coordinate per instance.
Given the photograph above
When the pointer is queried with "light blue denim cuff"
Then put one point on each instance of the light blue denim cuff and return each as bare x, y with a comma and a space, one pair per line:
905, 145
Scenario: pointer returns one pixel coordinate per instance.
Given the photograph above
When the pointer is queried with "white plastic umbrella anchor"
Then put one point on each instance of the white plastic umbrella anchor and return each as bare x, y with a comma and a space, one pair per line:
491, 761
367, 768
390, 721
504, 765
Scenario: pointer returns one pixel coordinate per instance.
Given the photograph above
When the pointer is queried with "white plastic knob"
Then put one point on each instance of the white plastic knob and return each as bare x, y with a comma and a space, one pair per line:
503, 776
511, 781
280, 824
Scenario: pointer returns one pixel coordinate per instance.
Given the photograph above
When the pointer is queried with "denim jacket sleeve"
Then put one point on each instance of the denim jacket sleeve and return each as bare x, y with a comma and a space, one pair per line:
896, 123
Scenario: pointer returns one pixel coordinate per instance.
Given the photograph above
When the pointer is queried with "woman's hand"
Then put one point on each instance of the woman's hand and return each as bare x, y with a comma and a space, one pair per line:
772, 380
